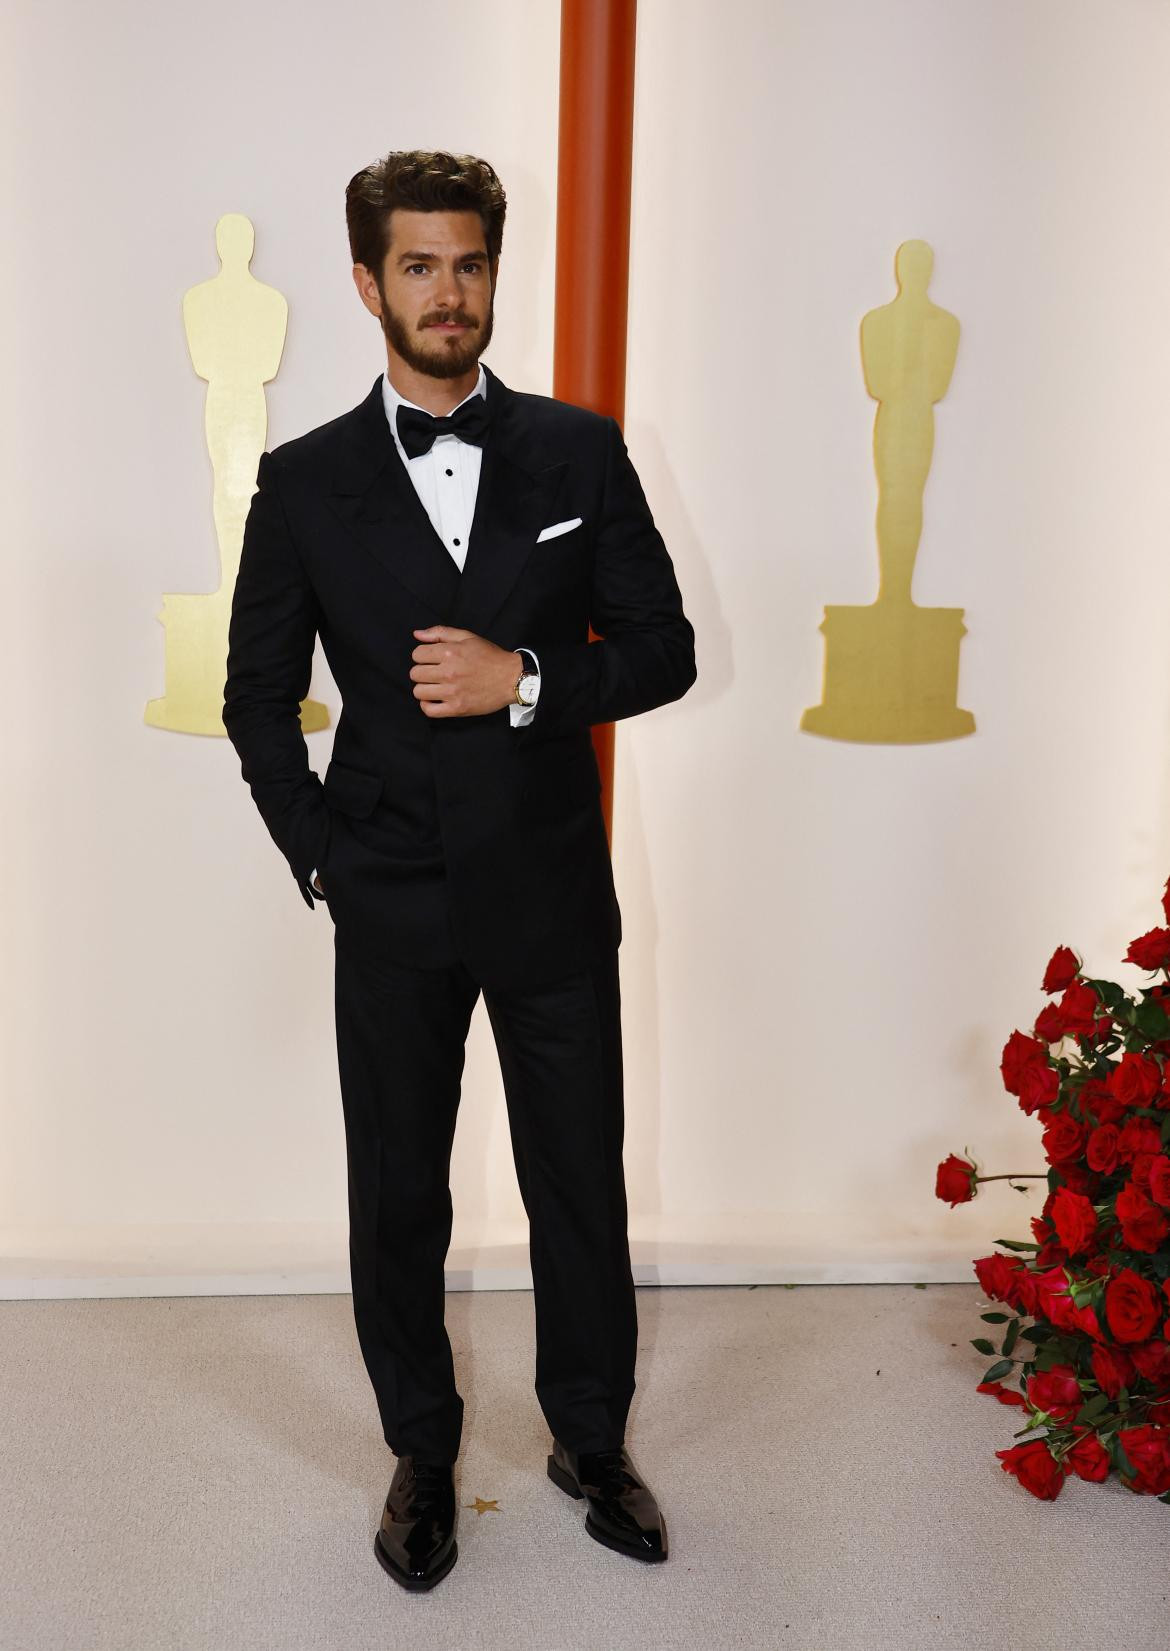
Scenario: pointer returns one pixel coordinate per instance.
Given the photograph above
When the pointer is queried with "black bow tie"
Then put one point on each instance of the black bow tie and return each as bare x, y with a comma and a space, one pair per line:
417, 430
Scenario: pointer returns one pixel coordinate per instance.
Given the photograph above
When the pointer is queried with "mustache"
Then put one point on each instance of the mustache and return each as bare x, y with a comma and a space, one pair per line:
458, 320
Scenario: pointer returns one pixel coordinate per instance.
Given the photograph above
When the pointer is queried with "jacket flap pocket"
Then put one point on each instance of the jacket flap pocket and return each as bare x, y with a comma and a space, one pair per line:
352, 789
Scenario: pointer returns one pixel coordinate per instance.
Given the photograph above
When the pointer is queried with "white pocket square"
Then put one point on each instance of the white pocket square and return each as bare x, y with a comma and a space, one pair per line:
557, 527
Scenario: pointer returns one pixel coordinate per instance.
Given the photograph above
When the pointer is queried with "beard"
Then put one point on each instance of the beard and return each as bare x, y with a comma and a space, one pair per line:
438, 355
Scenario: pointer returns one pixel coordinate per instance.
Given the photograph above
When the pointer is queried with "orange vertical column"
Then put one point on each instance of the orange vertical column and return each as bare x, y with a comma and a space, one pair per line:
594, 161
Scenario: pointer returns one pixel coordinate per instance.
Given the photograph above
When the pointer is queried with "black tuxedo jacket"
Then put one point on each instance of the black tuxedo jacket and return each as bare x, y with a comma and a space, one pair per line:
451, 837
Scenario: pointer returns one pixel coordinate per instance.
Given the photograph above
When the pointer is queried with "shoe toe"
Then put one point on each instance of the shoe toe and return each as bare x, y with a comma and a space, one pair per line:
649, 1540
412, 1568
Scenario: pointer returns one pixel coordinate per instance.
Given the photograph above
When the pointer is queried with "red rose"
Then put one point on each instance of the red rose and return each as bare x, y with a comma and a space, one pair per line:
1035, 1467
1138, 1135
1050, 1295
1050, 1299
1096, 1100
1085, 1320
1139, 1174
1019, 1053
1101, 1149
1135, 1080
1150, 951
1089, 1459
1147, 1449
1113, 1369
1063, 968
1049, 1026
1064, 1139
954, 1181
1056, 1392
1152, 1359
1143, 1224
1005, 1395
1017, 1293
1131, 1306
1039, 1086
1023, 1297
995, 1273
1078, 1179
1080, 1008
1159, 1179
1075, 1221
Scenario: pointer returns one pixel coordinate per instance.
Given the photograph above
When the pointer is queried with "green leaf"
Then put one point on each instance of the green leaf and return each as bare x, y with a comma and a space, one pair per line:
1151, 1019
995, 1318
1096, 1406
1009, 1341
998, 1370
982, 1345
1015, 1244
1120, 1460
1111, 995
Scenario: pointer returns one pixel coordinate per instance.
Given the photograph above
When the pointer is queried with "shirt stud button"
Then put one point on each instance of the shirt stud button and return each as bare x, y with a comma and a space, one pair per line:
455, 541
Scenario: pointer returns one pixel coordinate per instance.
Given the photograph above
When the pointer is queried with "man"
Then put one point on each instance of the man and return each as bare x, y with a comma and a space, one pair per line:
450, 540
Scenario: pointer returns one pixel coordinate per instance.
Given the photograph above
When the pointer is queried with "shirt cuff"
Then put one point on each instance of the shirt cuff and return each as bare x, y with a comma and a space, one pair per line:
521, 715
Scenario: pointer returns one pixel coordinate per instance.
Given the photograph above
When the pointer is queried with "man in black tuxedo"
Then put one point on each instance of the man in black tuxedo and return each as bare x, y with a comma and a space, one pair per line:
450, 540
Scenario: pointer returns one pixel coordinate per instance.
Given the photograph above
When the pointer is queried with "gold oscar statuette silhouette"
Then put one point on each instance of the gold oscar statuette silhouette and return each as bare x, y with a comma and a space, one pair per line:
891, 667
235, 328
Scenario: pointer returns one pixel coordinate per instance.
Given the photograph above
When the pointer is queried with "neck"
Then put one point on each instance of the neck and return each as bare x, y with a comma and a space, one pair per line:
438, 395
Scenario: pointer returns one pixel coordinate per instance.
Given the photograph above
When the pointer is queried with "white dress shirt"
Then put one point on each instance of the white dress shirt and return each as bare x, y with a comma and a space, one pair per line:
446, 479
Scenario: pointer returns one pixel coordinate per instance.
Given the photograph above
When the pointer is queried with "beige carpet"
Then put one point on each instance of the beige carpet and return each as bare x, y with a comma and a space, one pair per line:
207, 1474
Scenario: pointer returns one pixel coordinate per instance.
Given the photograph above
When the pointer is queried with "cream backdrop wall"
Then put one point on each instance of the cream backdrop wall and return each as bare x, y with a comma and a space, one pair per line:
825, 945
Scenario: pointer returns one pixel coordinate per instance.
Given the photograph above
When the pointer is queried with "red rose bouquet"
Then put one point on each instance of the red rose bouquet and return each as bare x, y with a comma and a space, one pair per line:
1084, 1348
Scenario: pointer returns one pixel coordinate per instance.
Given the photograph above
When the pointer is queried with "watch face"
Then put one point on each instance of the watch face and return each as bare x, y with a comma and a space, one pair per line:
527, 689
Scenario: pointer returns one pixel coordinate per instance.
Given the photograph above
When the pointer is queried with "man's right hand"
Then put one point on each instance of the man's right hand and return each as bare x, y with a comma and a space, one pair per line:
317, 885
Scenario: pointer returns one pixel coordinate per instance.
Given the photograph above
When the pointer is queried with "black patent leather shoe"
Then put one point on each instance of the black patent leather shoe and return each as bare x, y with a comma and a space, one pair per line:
416, 1541
622, 1511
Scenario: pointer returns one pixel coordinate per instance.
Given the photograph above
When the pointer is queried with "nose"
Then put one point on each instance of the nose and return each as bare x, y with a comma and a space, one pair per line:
448, 293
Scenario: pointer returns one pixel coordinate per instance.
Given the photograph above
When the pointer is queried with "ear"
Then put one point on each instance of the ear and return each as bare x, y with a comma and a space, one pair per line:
367, 289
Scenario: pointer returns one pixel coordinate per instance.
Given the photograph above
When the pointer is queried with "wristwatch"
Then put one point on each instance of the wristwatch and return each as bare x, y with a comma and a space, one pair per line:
527, 682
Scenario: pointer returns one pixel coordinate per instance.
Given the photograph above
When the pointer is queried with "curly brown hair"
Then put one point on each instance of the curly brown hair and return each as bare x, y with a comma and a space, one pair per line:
421, 180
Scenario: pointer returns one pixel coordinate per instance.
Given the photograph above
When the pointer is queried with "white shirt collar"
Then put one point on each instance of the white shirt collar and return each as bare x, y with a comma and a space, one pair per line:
391, 401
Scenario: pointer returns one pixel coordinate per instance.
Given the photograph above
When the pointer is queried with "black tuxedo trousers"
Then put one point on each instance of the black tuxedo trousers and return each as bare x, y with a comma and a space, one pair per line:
460, 855
400, 1041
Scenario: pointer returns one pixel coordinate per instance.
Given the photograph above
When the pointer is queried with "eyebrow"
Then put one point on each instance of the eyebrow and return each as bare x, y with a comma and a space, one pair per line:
431, 257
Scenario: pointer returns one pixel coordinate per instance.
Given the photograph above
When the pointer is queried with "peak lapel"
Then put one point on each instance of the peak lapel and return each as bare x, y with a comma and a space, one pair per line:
514, 502
374, 498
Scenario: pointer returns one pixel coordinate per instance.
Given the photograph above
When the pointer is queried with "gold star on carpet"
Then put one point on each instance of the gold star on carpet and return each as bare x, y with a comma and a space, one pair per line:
481, 1506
